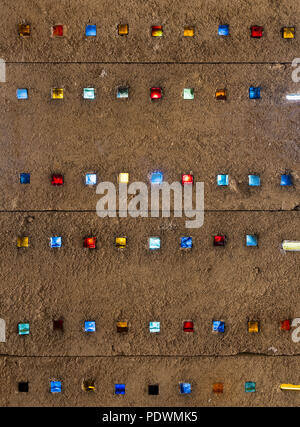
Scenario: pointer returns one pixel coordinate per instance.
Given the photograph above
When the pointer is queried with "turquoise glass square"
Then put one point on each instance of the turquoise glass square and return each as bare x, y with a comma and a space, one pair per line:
122, 92
91, 30
55, 386
218, 326
223, 30
188, 93
154, 243
22, 93
89, 93
254, 180
90, 326
222, 180
55, 242
251, 240
154, 327
23, 328
250, 387
157, 177
90, 179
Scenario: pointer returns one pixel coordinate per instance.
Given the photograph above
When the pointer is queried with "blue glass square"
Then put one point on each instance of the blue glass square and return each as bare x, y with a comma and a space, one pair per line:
250, 387
218, 326
90, 179
154, 327
55, 242
157, 178
24, 178
254, 92
254, 180
186, 242
23, 328
222, 179
251, 240
185, 388
286, 180
119, 388
90, 326
223, 30
154, 243
55, 386
22, 93
91, 30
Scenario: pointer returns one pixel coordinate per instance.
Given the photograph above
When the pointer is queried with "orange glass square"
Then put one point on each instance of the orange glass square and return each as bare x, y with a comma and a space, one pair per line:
123, 29
189, 31
285, 325
221, 94
218, 387
24, 30
253, 326
90, 242
157, 31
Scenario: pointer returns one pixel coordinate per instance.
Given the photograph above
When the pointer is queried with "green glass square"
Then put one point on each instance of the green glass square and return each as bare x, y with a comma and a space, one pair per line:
250, 387
23, 328
188, 93
122, 92
89, 93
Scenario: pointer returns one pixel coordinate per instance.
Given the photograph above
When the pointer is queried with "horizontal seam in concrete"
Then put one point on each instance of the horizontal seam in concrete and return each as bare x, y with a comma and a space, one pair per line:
143, 63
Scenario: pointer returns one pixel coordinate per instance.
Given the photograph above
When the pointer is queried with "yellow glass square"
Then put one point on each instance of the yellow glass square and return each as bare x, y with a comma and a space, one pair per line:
189, 31
122, 327
57, 93
221, 94
123, 29
121, 242
252, 326
22, 242
288, 32
24, 30
157, 31
123, 178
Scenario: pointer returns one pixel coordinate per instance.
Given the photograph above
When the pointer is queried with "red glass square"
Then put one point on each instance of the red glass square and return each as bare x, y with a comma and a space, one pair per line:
58, 31
219, 240
256, 32
187, 179
57, 179
58, 324
188, 326
155, 92
285, 325
90, 242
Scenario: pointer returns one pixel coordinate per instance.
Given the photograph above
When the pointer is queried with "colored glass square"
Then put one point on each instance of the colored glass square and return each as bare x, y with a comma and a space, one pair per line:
121, 242
188, 326
90, 326
90, 242
251, 240
218, 388
89, 93
154, 327
185, 388
122, 92
22, 242
123, 178
90, 179
221, 94
57, 93
58, 325
250, 387
123, 29
155, 93
24, 178
187, 179
219, 240
154, 243
57, 179
254, 180
254, 92
253, 326
88, 385
222, 180
90, 30
23, 387
24, 30
55, 242
288, 32
218, 326
157, 31
286, 180
153, 389
285, 325
256, 31
57, 30
119, 388
122, 327
223, 30
186, 242
55, 386
22, 93
23, 328
188, 31
157, 177
188, 93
